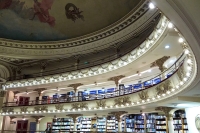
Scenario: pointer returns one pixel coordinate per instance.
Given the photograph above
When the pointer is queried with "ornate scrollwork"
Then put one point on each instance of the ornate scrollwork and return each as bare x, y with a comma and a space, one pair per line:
7, 110
24, 109
122, 101
79, 106
160, 63
163, 87
143, 95
118, 115
116, 79
59, 106
166, 111
101, 103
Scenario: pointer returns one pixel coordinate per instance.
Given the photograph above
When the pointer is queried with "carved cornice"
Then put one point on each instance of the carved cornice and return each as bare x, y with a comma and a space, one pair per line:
59, 106
118, 115
160, 63
122, 101
74, 116
101, 103
116, 79
75, 86
77, 106
164, 87
143, 95
2, 93
166, 111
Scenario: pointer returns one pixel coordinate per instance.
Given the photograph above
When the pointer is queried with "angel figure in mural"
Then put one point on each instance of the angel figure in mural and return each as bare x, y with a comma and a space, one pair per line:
4, 4
41, 10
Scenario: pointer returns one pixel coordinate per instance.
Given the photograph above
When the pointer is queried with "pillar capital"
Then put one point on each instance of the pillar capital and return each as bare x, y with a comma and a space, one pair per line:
116, 79
74, 116
118, 115
75, 86
40, 90
37, 118
166, 111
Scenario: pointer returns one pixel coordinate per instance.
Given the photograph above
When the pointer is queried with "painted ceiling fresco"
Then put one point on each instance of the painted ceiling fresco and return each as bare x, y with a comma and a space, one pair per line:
53, 20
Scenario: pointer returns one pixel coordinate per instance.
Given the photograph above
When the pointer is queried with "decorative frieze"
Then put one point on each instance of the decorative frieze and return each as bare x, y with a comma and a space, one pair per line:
24, 109
181, 73
59, 106
77, 106
143, 95
163, 87
101, 103
122, 101
41, 108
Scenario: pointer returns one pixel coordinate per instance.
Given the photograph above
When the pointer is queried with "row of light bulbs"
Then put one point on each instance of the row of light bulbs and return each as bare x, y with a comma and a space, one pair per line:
139, 52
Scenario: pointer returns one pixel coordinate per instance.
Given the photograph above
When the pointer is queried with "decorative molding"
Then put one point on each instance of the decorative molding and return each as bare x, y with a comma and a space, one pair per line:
166, 111
59, 106
160, 62
12, 117
143, 95
103, 68
101, 103
75, 86
41, 108
74, 116
116, 79
2, 93
15, 92
7, 109
77, 106
24, 109
164, 87
122, 101
118, 115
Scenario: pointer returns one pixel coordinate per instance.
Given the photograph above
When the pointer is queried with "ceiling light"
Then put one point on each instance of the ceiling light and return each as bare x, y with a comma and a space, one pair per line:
170, 25
151, 6
180, 40
167, 46
159, 31
187, 51
181, 83
188, 74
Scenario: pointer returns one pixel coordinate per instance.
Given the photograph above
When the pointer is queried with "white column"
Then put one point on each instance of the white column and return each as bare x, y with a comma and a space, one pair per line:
120, 125
40, 98
37, 126
170, 125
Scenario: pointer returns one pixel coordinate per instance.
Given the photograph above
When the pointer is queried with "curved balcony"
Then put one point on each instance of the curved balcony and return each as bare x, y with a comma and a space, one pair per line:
159, 79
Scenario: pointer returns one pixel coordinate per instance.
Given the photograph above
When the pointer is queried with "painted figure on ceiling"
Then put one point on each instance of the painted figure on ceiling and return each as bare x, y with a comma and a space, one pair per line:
41, 10
4, 4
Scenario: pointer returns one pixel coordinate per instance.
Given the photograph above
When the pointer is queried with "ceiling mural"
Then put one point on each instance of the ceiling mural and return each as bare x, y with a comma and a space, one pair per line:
53, 20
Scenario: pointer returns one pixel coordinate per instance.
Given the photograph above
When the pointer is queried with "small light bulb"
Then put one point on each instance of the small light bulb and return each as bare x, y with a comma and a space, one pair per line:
170, 25
151, 6
180, 40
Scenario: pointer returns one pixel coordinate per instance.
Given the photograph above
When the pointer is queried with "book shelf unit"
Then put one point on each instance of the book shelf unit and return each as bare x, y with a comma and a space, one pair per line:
101, 124
139, 123
180, 122
161, 124
62, 124
85, 124
112, 124
129, 123
151, 123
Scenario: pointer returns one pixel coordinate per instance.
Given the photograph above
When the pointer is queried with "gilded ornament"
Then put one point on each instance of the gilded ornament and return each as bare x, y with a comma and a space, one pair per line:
143, 95
163, 87
59, 106
181, 73
79, 106
122, 101
24, 109
101, 103
160, 63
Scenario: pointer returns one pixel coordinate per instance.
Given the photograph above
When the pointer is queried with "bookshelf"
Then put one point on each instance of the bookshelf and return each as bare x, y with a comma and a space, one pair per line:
139, 123
129, 123
62, 124
161, 124
112, 124
85, 124
151, 123
101, 124
180, 122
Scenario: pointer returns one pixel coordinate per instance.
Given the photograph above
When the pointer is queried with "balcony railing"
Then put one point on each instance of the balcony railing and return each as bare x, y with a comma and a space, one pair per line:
129, 38
118, 92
